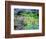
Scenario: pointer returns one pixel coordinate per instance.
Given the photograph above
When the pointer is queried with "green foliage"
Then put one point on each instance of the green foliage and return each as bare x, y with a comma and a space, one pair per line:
30, 19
